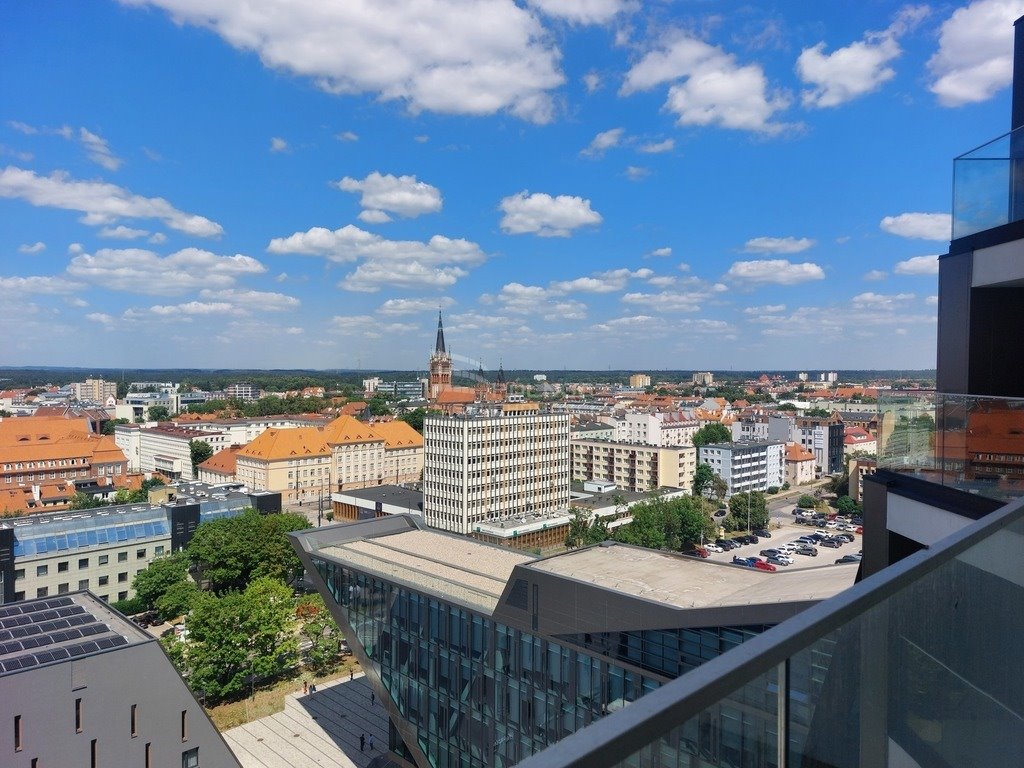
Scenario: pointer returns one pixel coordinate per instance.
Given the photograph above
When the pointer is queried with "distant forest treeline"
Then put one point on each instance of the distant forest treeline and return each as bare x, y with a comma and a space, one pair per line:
343, 381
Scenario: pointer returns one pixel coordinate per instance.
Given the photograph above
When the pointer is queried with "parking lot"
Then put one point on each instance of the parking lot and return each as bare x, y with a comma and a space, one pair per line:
787, 533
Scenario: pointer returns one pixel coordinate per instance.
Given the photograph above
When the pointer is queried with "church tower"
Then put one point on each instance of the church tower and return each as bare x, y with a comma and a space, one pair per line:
500, 385
440, 364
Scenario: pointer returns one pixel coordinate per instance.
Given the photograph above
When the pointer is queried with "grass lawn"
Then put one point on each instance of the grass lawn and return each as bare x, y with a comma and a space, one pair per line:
270, 698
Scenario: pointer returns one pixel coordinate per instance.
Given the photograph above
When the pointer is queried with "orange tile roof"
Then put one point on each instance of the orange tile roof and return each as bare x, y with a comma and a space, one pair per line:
456, 395
351, 409
398, 434
14, 499
346, 429
796, 452
224, 462
280, 444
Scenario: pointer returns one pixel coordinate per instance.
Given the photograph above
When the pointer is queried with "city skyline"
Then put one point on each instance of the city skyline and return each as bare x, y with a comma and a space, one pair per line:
575, 184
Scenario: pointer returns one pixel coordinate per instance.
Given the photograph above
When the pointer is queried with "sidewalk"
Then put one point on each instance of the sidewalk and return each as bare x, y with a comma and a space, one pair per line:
321, 729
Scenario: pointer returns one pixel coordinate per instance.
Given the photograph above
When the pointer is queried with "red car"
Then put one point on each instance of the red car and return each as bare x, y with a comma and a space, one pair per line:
859, 529
761, 565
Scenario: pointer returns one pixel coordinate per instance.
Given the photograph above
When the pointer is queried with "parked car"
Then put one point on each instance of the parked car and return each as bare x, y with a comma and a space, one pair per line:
806, 549
762, 533
770, 552
697, 552
744, 561
721, 512
777, 561
848, 537
831, 524
761, 565
726, 544
831, 543
848, 559
713, 548
857, 520
859, 529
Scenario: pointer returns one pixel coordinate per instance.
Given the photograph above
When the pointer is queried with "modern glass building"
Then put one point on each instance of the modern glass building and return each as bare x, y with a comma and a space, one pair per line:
486, 656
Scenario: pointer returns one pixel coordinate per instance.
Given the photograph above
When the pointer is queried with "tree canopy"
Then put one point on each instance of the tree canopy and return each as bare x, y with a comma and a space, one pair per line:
159, 576
703, 480
158, 413
414, 418
584, 529
231, 552
740, 503
712, 433
321, 631
200, 451
661, 523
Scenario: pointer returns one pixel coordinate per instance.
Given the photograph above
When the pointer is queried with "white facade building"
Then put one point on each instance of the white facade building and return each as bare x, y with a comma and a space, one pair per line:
660, 429
479, 468
746, 466
634, 466
164, 449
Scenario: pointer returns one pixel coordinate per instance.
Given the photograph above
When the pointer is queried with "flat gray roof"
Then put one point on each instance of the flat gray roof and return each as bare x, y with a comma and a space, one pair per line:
455, 566
396, 495
687, 582
56, 629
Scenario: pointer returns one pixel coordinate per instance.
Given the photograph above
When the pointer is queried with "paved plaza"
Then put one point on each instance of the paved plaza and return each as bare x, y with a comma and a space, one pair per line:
320, 729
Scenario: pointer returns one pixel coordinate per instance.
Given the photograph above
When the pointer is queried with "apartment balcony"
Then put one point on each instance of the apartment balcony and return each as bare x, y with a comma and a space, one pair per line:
919, 664
987, 185
967, 442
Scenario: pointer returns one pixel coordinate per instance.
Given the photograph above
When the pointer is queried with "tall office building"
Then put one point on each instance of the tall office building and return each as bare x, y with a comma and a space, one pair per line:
486, 467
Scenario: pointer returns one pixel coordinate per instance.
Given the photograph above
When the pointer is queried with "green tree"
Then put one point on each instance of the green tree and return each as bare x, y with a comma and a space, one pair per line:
159, 576
806, 502
660, 523
85, 501
846, 505
321, 631
159, 413
177, 600
755, 502
108, 428
719, 487
414, 418
378, 405
237, 639
584, 529
712, 433
703, 480
200, 451
817, 413
231, 552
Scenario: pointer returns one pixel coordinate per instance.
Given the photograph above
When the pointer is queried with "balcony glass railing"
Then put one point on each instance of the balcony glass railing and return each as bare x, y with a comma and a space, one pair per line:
971, 443
988, 185
919, 664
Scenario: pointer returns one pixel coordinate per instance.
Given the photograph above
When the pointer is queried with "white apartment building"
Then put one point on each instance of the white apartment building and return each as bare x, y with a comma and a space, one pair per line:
662, 429
164, 449
634, 466
244, 430
703, 379
639, 381
746, 466
479, 468
768, 426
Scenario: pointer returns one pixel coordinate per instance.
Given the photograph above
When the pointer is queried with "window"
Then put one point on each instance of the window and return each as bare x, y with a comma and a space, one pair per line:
17, 733
122, 577
159, 550
63, 589
184, 726
122, 557
190, 759
83, 583
103, 581
78, 715
104, 559
19, 573
140, 554
42, 592
149, 755
93, 754
122, 596
42, 570
135, 720
83, 562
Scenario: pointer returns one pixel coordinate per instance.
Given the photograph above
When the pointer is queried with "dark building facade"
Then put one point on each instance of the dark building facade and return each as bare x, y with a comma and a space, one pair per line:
484, 656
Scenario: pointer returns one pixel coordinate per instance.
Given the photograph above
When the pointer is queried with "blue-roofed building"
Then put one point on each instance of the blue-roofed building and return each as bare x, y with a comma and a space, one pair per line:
102, 549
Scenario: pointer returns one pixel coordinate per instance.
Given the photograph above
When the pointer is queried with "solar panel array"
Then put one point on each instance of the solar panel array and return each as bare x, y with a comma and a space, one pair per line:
39, 631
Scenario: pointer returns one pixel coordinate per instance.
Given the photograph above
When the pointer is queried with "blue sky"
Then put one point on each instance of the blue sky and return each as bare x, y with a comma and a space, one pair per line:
577, 183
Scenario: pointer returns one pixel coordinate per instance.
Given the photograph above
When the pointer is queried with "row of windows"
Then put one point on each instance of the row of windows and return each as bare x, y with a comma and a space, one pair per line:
83, 562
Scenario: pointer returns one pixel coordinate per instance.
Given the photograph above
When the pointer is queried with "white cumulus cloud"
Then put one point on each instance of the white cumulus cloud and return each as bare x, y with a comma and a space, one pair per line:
774, 271
102, 203
584, 11
975, 56
121, 232
450, 56
708, 85
603, 141
404, 195
778, 244
657, 147
277, 144
37, 284
918, 265
920, 226
346, 136
546, 216
141, 271
857, 69
875, 275
414, 306
37, 247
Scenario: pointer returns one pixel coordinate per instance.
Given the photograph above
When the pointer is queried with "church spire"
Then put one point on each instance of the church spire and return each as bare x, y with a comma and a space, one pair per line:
439, 345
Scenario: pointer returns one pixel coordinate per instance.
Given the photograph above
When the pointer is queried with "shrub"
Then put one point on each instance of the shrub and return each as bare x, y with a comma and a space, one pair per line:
128, 607
806, 502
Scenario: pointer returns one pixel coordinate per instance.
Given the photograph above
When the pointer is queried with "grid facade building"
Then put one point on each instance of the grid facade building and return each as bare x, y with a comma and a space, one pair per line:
634, 466
479, 468
746, 466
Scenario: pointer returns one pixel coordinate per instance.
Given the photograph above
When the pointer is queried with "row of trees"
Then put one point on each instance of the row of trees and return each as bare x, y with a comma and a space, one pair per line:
124, 496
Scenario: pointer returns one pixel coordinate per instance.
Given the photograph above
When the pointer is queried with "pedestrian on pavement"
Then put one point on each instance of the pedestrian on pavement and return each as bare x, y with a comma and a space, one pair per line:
312, 688
362, 741
371, 742
373, 698
351, 675
305, 687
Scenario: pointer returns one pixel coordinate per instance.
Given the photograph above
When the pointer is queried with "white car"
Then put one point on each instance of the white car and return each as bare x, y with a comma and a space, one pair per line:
831, 524
713, 548
785, 558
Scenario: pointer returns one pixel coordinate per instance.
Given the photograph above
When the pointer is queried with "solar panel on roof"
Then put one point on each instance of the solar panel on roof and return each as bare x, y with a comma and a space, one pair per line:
93, 629
20, 632
33, 642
